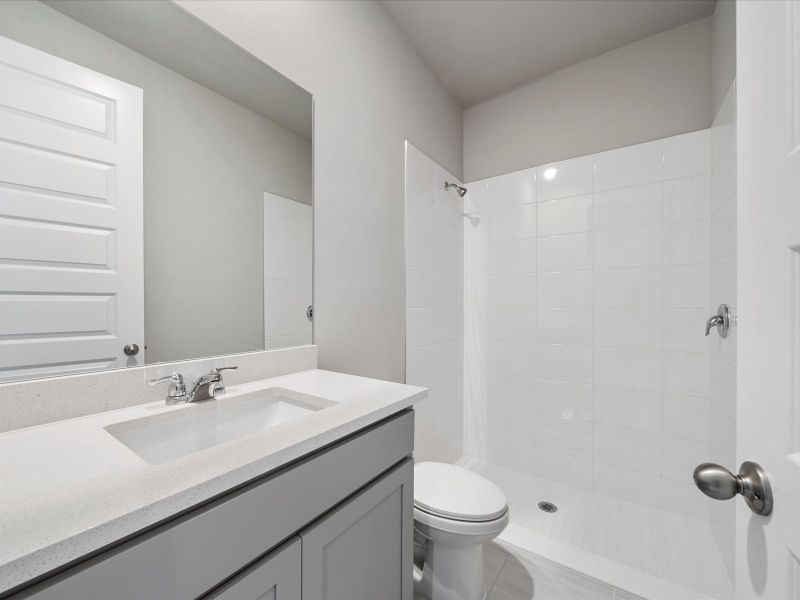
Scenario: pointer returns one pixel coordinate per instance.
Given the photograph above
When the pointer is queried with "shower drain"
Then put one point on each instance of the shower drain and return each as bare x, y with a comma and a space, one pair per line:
548, 507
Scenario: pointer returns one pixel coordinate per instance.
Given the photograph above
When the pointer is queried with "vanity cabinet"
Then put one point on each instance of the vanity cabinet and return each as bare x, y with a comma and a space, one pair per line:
335, 525
362, 550
277, 576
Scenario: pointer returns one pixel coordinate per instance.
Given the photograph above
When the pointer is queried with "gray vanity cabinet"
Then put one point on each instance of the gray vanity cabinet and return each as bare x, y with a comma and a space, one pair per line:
336, 524
274, 577
363, 549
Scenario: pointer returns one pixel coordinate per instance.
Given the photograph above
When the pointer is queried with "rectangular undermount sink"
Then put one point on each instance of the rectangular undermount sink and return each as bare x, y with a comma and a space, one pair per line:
161, 438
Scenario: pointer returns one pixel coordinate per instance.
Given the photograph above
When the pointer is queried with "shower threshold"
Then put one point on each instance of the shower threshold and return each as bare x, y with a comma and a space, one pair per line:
644, 551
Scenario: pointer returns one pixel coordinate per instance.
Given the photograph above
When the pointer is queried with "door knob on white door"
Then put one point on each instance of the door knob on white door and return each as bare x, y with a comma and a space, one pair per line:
719, 483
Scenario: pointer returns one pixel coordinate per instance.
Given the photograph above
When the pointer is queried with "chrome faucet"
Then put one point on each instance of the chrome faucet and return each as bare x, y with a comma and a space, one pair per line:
209, 385
206, 387
177, 388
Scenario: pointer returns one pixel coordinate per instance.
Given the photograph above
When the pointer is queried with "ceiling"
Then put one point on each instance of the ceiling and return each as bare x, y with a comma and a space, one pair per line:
479, 49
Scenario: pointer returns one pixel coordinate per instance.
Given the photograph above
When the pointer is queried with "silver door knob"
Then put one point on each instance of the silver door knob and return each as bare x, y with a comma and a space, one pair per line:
721, 321
717, 482
131, 349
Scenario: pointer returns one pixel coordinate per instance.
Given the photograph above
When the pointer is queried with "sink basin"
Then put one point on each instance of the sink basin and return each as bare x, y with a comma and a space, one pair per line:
161, 438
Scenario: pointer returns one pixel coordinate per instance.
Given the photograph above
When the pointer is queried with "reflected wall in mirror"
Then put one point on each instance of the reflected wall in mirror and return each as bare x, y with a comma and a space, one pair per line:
155, 191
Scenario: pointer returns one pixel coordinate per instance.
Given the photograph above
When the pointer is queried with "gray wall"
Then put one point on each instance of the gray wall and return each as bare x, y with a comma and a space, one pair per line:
371, 92
650, 89
723, 51
203, 191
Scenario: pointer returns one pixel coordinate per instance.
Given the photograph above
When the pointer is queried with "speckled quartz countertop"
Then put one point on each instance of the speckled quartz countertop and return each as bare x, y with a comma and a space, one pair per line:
69, 488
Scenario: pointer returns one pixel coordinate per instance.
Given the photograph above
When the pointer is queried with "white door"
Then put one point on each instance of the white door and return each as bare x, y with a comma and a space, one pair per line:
768, 404
71, 275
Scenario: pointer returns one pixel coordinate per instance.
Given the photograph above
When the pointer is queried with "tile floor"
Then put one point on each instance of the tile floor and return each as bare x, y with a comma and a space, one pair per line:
518, 575
669, 547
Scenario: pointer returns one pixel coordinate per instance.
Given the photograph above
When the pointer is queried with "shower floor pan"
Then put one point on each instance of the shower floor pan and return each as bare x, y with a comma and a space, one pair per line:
647, 552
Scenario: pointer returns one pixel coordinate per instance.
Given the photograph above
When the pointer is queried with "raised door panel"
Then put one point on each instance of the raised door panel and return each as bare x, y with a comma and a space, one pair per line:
274, 577
363, 549
71, 246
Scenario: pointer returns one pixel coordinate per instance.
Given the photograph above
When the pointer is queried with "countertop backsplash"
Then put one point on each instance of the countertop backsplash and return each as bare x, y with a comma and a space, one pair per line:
39, 401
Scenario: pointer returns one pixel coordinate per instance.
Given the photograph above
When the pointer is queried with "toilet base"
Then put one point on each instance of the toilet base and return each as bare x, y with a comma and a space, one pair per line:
451, 573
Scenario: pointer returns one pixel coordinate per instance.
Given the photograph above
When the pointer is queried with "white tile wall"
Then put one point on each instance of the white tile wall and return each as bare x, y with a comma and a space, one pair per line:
287, 271
587, 286
435, 301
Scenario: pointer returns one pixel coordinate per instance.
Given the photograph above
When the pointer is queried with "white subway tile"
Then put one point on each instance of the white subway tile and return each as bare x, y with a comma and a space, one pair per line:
514, 289
627, 485
628, 287
449, 324
511, 357
567, 436
515, 425
420, 327
562, 289
628, 449
512, 223
420, 193
513, 256
627, 327
686, 242
629, 207
687, 199
420, 248
686, 286
512, 189
622, 407
282, 293
422, 365
563, 468
511, 324
624, 167
572, 177
566, 363
630, 368
564, 399
565, 252
421, 288
565, 325
686, 374
513, 391
477, 198
687, 417
682, 330
629, 247
565, 215
680, 457
687, 154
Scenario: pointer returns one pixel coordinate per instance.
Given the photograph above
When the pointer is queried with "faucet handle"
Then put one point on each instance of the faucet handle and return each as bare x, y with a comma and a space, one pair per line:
216, 370
177, 387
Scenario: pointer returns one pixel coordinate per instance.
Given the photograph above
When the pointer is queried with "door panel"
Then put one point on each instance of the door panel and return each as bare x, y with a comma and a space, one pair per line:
274, 577
71, 248
362, 550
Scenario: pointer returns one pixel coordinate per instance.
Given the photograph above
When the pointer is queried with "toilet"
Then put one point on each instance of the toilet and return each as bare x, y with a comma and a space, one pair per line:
455, 512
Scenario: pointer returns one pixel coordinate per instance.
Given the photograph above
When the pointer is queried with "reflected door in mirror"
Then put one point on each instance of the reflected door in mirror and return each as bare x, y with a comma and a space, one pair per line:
71, 288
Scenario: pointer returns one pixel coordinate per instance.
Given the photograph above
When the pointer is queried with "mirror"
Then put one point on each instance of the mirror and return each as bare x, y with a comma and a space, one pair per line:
155, 191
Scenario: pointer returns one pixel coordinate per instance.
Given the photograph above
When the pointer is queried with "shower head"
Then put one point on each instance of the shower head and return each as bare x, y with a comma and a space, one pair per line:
462, 191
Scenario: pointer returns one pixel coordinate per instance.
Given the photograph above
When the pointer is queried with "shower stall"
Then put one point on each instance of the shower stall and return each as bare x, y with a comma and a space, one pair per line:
557, 316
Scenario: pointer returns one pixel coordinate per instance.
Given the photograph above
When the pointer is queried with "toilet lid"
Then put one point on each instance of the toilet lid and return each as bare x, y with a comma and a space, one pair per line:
456, 493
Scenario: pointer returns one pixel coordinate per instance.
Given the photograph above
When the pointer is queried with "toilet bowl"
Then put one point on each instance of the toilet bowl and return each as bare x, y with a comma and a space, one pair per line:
455, 512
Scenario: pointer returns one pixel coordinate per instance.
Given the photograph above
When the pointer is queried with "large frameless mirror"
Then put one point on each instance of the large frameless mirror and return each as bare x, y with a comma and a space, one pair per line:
155, 191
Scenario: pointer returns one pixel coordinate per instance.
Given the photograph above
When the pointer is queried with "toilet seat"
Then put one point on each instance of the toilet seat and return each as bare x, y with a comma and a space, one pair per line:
444, 492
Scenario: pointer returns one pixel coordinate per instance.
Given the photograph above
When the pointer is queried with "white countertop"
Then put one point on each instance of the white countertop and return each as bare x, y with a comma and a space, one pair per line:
69, 488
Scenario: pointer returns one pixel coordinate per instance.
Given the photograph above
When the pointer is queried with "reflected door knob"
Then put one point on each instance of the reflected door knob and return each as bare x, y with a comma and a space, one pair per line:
131, 349
717, 482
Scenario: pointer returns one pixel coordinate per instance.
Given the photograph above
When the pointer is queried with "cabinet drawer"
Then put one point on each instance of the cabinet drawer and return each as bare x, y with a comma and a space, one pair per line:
274, 577
190, 555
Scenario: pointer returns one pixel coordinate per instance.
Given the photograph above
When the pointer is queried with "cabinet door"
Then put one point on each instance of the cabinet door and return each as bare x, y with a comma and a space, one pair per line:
363, 549
274, 577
